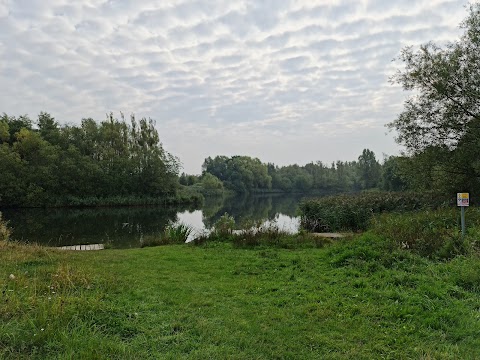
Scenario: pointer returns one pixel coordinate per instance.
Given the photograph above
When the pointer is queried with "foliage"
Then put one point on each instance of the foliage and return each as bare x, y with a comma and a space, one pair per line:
355, 211
240, 174
439, 125
446, 82
264, 234
211, 185
113, 158
393, 174
188, 180
369, 170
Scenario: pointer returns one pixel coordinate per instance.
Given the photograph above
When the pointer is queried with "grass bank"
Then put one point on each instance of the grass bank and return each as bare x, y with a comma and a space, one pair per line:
349, 300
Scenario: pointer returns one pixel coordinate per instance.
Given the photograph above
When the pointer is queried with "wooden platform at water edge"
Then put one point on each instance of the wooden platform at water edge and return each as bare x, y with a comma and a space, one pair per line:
83, 247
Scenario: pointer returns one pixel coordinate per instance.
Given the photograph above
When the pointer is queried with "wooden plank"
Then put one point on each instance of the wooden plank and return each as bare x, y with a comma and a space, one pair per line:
85, 247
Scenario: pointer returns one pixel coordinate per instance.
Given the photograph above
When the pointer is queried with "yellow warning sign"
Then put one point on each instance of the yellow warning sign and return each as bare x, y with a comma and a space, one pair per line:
463, 199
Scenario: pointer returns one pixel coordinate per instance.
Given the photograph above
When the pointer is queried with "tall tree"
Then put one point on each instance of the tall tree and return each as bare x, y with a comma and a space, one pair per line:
446, 82
441, 120
48, 128
369, 169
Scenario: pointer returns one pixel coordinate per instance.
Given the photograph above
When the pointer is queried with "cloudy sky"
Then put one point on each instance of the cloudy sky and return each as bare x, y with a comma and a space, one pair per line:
287, 81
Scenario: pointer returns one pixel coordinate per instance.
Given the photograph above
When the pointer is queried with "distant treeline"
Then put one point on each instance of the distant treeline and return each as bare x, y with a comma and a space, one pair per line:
243, 174
48, 164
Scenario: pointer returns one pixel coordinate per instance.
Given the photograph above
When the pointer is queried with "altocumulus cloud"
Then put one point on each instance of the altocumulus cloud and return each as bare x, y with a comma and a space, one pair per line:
286, 81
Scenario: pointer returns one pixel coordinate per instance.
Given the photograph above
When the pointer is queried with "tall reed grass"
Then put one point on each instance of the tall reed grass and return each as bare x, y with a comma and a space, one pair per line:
173, 234
355, 211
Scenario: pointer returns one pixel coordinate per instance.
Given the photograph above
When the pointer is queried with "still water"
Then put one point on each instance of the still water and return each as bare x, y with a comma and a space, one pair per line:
123, 227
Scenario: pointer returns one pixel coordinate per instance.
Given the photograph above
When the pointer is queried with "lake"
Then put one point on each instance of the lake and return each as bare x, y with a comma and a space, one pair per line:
123, 227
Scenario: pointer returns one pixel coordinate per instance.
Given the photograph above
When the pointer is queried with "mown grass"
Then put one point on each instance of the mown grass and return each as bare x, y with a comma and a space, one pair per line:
350, 300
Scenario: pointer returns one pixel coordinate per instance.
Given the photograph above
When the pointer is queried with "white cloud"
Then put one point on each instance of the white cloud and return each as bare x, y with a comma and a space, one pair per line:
280, 80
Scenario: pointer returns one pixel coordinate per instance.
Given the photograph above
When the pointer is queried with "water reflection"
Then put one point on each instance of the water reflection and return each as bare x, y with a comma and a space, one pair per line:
250, 208
124, 227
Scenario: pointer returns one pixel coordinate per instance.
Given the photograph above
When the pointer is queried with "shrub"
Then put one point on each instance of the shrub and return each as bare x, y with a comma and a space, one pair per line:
355, 211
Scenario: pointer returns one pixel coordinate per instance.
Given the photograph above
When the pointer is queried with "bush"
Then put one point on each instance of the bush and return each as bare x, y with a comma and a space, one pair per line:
355, 211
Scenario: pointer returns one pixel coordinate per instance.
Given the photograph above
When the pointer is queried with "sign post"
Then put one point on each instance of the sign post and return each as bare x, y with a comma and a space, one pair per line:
463, 200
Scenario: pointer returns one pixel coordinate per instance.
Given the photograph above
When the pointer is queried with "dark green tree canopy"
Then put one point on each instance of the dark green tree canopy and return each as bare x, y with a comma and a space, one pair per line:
56, 164
239, 173
369, 169
446, 86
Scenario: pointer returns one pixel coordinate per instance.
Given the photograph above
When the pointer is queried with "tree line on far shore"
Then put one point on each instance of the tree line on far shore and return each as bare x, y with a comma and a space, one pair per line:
244, 174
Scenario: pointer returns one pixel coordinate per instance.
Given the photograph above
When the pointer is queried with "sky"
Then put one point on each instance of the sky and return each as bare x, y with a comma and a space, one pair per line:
287, 81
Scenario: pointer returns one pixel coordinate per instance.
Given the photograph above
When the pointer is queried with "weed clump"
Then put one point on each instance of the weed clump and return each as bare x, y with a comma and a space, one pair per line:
173, 234
224, 225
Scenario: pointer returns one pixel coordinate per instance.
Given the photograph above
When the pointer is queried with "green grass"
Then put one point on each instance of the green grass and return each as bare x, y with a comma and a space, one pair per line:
349, 300
434, 234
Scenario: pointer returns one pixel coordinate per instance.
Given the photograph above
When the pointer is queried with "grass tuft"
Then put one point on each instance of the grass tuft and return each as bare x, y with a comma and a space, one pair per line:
173, 234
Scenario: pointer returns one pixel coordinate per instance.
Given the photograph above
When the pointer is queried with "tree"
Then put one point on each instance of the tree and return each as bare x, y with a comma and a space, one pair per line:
211, 185
368, 169
4, 133
446, 82
14, 125
239, 173
13, 172
59, 164
48, 128
440, 123
392, 176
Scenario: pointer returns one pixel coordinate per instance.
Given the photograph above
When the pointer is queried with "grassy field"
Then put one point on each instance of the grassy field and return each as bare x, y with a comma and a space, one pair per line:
349, 300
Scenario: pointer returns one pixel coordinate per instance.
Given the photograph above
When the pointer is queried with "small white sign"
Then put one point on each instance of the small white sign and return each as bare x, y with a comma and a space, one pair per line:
463, 199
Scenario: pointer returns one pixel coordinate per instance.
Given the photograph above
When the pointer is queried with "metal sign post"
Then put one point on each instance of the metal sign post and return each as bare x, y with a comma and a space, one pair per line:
463, 200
